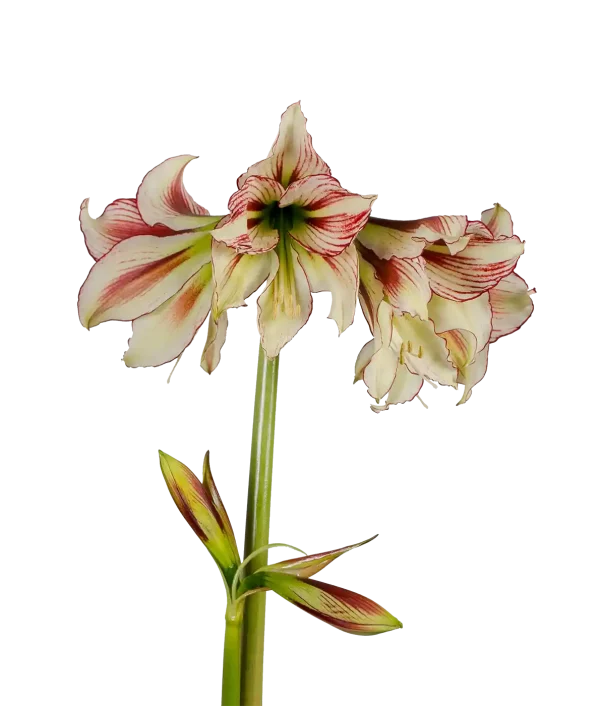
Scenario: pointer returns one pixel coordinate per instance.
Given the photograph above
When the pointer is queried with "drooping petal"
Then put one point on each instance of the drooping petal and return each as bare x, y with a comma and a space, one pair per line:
197, 507
364, 358
250, 227
338, 275
473, 374
238, 275
404, 280
388, 238
139, 274
474, 270
405, 388
326, 217
215, 338
306, 566
221, 513
423, 351
511, 305
162, 198
380, 373
498, 220
370, 292
462, 346
474, 315
343, 609
161, 335
292, 156
121, 220
286, 304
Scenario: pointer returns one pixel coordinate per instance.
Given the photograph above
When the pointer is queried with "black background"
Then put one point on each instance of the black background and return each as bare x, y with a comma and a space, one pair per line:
342, 471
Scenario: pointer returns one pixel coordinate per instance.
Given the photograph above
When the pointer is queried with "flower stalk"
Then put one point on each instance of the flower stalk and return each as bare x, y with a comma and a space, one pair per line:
257, 523
231, 658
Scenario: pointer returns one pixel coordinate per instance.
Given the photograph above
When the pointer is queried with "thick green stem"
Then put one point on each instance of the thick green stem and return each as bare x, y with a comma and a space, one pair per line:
257, 524
231, 661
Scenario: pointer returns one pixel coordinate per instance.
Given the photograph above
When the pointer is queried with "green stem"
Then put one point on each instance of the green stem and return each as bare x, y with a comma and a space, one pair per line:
231, 660
257, 523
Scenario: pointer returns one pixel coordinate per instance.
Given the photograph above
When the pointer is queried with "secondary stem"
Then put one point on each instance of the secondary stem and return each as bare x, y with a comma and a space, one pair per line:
231, 661
257, 523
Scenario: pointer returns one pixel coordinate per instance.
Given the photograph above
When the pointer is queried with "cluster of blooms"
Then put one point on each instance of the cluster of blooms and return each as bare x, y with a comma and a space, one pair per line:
435, 292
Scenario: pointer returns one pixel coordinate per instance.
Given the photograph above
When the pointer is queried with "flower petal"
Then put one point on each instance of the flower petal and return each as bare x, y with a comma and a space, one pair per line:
306, 566
326, 216
163, 334
474, 270
511, 305
424, 352
343, 609
338, 275
292, 157
462, 346
286, 304
405, 388
238, 275
380, 373
139, 274
474, 315
220, 511
370, 292
249, 227
404, 280
390, 238
473, 374
162, 198
498, 220
197, 507
364, 358
215, 338
121, 220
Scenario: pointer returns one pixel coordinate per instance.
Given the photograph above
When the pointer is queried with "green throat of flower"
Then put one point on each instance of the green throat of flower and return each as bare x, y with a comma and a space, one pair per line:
285, 295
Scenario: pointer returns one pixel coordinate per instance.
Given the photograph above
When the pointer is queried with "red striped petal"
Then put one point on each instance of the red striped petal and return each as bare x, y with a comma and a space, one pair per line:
327, 218
474, 270
511, 306
162, 197
121, 220
292, 157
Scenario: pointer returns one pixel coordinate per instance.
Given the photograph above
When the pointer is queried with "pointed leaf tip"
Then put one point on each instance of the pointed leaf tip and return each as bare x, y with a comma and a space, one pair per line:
339, 607
202, 508
306, 566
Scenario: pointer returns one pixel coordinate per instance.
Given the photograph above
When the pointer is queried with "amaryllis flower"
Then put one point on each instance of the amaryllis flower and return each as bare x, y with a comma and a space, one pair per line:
292, 225
202, 507
436, 293
339, 607
153, 268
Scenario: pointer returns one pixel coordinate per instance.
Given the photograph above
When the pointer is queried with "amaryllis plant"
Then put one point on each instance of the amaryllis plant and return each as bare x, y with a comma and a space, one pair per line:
435, 292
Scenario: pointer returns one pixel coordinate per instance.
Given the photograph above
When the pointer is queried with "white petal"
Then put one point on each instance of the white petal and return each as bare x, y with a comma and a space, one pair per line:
474, 270
163, 334
162, 198
511, 306
215, 338
139, 274
285, 305
338, 275
498, 220
473, 374
424, 352
238, 275
292, 157
474, 315
327, 217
